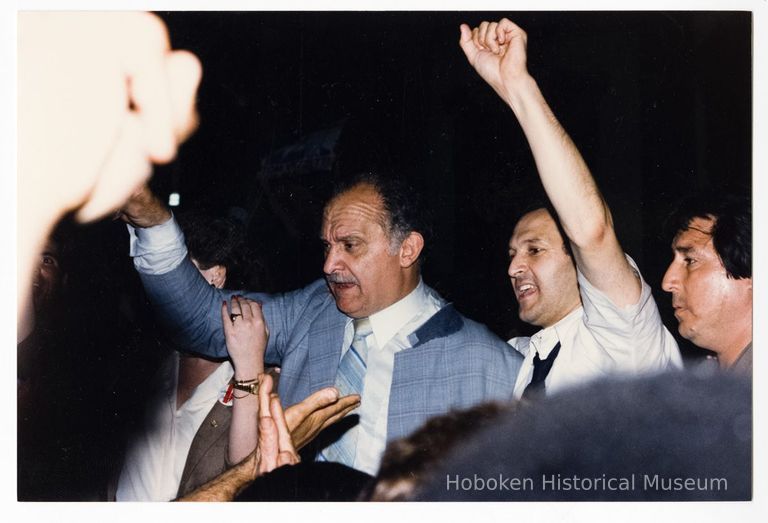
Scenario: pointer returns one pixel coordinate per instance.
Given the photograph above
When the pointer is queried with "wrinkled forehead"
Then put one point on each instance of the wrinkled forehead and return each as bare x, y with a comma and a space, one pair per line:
538, 225
361, 205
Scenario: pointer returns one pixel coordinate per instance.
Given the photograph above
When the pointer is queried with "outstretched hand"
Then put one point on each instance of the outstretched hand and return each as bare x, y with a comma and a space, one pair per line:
275, 445
497, 51
316, 412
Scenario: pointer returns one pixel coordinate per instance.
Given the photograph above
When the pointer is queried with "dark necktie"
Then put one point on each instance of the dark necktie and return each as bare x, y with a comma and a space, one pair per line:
541, 369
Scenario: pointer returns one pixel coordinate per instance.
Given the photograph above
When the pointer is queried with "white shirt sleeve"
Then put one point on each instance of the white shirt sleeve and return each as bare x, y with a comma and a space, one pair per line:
633, 336
158, 249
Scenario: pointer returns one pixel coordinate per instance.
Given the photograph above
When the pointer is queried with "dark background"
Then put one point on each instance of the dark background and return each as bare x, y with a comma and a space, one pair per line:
658, 103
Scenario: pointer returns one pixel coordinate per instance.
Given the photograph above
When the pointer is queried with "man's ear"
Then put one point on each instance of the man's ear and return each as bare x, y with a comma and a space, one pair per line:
411, 248
218, 276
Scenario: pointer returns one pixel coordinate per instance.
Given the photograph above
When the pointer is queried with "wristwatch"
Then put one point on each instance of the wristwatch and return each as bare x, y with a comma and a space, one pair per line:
249, 386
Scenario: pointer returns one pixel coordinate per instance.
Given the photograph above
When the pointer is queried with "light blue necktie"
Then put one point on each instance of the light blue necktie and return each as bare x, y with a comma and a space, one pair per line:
349, 380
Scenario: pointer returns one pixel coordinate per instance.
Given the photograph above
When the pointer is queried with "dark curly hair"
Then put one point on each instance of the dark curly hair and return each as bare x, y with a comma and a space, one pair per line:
220, 241
731, 228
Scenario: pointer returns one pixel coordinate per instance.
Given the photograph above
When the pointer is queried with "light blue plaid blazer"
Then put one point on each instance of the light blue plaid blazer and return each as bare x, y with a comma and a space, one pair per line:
453, 362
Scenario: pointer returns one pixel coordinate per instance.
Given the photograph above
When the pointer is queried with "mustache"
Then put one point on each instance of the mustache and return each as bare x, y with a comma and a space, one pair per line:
340, 278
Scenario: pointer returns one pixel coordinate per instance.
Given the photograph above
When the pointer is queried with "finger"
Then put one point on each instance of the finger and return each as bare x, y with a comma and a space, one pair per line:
476, 38
234, 305
245, 308
265, 389
285, 443
258, 316
268, 444
287, 458
501, 30
482, 33
339, 415
510, 30
491, 38
254, 309
344, 407
184, 72
226, 323
297, 413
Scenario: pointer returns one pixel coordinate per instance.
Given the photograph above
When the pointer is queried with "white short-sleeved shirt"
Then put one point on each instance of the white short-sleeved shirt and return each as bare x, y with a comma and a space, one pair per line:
600, 339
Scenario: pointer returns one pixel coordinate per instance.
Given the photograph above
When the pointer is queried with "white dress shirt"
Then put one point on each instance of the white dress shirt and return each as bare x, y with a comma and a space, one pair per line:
391, 328
156, 458
600, 339
158, 249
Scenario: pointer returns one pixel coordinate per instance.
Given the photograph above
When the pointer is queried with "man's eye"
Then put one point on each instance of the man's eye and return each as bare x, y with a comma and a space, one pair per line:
49, 260
349, 246
689, 261
534, 250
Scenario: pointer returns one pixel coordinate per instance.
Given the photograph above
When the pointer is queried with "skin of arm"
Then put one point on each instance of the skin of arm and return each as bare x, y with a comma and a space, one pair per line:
101, 98
280, 435
274, 449
497, 51
246, 337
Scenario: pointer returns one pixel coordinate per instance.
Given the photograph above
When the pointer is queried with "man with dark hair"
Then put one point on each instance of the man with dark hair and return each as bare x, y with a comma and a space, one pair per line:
596, 314
710, 277
370, 327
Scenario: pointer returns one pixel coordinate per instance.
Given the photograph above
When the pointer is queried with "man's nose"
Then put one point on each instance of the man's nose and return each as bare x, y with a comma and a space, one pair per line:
332, 261
671, 279
516, 267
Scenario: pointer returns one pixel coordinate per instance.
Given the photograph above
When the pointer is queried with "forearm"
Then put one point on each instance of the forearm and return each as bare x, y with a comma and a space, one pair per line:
243, 431
227, 485
188, 308
563, 172
581, 209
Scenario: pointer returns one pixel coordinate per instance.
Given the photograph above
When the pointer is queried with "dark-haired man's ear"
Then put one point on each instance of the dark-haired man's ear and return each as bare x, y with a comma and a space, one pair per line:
218, 276
411, 248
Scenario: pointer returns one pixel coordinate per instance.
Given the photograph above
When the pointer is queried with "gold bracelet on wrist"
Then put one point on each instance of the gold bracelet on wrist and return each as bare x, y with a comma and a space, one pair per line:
250, 386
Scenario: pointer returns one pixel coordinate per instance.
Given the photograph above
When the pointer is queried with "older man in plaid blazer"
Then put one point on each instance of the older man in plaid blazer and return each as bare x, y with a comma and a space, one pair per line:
420, 358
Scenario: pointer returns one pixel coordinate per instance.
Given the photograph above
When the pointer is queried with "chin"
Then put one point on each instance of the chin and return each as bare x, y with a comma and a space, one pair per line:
348, 310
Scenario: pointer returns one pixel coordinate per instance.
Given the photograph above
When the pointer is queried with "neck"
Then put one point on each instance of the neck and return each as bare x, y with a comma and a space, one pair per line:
728, 354
192, 372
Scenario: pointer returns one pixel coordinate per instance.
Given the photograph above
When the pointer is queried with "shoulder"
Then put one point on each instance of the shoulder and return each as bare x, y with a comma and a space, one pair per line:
451, 329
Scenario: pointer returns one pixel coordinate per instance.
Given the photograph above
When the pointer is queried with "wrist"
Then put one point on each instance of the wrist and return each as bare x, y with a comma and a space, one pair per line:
245, 373
520, 91
157, 215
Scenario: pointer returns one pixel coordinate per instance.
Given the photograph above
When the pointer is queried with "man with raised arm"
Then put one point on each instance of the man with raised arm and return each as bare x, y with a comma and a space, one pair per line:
596, 314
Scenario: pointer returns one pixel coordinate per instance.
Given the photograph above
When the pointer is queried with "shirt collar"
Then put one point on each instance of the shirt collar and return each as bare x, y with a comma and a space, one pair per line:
387, 322
546, 339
